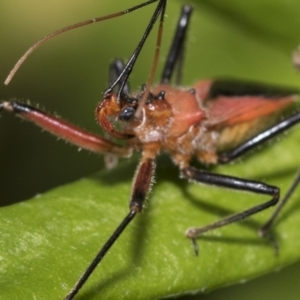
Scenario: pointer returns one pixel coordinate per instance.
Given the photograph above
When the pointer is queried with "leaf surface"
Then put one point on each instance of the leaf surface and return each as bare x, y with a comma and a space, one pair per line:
48, 241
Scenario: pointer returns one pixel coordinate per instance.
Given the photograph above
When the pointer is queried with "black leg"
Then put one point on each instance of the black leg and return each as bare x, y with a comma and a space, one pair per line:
260, 138
140, 189
265, 229
231, 183
176, 52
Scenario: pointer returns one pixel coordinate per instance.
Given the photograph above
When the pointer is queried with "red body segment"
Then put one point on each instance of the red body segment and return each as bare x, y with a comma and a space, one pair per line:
185, 107
237, 118
231, 110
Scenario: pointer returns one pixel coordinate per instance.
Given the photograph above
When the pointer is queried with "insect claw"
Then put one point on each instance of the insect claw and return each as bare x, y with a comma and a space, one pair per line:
195, 246
266, 234
223, 158
191, 233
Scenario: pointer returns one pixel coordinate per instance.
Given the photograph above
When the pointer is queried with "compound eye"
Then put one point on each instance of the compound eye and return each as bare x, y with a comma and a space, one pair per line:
126, 113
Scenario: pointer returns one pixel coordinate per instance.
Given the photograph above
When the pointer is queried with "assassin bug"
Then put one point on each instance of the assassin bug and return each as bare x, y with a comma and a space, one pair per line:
213, 120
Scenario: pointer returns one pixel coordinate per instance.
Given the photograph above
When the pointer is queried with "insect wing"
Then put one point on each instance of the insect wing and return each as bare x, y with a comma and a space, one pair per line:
238, 111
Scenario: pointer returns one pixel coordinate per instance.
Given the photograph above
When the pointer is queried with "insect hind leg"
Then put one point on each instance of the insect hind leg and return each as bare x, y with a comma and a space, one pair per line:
233, 183
254, 142
265, 230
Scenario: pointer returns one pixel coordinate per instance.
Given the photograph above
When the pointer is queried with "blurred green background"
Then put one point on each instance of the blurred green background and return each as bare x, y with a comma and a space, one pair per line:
68, 74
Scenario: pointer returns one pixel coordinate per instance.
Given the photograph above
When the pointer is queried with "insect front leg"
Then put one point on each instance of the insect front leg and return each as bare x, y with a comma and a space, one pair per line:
234, 183
64, 130
141, 186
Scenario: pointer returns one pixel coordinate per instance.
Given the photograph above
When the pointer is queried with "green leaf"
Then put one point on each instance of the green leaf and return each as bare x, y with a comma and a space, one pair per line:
47, 242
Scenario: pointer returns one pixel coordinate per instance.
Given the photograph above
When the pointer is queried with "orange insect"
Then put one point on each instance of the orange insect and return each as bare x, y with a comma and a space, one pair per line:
214, 121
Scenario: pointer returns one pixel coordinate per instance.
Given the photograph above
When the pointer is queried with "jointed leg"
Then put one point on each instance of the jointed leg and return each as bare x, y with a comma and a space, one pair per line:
252, 143
265, 229
141, 186
231, 183
65, 130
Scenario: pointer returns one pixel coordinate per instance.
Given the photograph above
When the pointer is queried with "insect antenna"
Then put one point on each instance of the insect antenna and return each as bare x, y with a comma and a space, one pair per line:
68, 28
161, 12
123, 77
